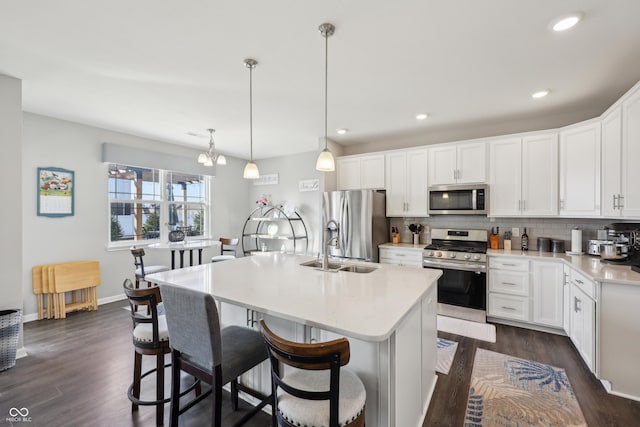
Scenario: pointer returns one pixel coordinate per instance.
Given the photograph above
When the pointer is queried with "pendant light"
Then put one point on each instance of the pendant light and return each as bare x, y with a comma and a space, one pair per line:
208, 158
251, 169
326, 162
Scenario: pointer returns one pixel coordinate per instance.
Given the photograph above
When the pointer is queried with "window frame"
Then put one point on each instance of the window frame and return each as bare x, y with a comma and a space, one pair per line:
164, 203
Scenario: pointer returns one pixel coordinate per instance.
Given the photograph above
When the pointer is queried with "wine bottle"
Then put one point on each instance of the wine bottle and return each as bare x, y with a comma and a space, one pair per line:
525, 240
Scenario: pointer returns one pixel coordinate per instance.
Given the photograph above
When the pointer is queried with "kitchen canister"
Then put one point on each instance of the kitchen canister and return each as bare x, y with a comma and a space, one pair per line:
544, 244
557, 246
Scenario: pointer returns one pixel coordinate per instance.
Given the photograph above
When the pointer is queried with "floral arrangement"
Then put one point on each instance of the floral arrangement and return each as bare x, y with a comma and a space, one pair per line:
263, 200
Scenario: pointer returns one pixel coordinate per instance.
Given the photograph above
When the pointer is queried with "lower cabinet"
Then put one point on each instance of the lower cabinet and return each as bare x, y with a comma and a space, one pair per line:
582, 307
526, 291
401, 256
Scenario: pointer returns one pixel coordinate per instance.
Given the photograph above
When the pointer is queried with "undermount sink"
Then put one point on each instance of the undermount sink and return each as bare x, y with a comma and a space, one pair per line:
358, 269
334, 267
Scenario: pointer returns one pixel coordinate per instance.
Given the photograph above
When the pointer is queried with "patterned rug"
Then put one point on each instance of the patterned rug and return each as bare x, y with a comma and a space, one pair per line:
446, 353
507, 391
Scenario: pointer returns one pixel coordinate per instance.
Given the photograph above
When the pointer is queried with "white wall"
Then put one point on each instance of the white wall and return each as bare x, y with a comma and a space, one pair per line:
11, 193
57, 143
291, 170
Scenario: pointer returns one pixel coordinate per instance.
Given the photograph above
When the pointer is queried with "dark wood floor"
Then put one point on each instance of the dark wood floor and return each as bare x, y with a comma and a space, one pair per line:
79, 369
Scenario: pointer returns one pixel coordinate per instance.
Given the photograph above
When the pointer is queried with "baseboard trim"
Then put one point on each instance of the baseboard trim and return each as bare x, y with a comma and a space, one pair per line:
106, 300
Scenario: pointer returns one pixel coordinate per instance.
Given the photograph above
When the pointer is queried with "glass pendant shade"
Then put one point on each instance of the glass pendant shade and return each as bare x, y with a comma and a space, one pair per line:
325, 162
202, 158
251, 171
222, 160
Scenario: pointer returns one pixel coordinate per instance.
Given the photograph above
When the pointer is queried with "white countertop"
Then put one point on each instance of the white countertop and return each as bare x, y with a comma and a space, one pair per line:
587, 264
411, 246
367, 306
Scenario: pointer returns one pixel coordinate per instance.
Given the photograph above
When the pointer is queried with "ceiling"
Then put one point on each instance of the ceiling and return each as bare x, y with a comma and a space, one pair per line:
165, 70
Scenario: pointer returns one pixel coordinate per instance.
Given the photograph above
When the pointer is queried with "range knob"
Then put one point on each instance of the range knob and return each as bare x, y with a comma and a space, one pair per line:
438, 254
476, 257
430, 253
452, 255
467, 256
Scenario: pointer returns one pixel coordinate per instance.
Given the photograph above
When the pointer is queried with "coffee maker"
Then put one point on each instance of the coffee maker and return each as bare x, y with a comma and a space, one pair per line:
622, 245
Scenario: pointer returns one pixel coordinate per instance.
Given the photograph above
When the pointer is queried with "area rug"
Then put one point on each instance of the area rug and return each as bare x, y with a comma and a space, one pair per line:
475, 330
446, 353
507, 391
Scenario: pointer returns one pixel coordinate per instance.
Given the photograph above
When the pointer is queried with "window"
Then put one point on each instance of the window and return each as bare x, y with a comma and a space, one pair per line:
145, 204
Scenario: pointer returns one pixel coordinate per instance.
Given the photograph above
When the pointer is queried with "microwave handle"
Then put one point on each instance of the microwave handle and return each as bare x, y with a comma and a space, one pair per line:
474, 199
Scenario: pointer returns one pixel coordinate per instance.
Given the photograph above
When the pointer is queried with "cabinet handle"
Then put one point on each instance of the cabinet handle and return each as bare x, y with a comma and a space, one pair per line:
401, 255
504, 264
579, 281
561, 204
576, 303
509, 283
508, 308
615, 205
519, 205
248, 318
620, 201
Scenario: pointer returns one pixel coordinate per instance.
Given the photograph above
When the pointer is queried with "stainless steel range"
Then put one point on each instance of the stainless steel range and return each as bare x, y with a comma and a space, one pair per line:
462, 257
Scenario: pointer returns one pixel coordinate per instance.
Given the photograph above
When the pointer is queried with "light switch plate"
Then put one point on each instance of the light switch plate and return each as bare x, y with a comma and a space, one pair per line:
515, 232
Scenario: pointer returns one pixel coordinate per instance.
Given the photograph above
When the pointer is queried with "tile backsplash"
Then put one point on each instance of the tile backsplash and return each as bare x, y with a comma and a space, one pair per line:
555, 228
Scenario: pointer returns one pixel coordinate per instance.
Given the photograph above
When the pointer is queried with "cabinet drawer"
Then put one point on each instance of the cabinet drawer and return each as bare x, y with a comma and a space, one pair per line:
585, 284
509, 282
509, 264
401, 257
509, 307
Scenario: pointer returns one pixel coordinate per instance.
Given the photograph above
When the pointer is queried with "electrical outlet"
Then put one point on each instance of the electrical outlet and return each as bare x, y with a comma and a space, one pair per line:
515, 232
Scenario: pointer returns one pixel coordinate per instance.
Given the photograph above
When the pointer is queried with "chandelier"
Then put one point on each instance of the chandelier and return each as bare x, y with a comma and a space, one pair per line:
210, 157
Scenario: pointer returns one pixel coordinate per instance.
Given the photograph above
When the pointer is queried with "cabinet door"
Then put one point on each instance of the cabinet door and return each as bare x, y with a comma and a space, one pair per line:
395, 183
611, 162
471, 161
630, 156
505, 174
442, 165
566, 304
348, 173
580, 171
547, 290
416, 184
583, 325
540, 175
372, 171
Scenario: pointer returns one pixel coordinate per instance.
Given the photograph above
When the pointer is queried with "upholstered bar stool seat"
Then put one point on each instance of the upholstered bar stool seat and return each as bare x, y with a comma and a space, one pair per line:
302, 412
143, 333
227, 249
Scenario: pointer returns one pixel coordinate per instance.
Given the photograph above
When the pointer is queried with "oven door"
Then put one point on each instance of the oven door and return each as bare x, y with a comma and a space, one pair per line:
462, 285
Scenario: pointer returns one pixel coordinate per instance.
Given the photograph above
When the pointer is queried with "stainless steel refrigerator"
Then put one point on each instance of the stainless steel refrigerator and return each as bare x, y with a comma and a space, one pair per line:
360, 215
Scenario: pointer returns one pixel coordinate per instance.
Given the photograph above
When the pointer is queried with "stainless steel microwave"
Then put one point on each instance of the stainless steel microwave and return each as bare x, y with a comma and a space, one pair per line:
459, 199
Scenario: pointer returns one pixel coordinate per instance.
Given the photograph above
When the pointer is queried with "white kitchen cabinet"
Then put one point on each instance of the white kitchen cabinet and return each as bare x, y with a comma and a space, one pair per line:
402, 256
523, 176
462, 163
583, 323
630, 203
406, 183
360, 172
611, 127
508, 290
547, 280
580, 171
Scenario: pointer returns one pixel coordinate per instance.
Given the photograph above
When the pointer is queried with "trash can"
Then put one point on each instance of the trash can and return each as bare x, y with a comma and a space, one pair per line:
9, 330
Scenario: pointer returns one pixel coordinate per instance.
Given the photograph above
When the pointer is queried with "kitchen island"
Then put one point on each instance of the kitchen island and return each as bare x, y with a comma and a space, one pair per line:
388, 314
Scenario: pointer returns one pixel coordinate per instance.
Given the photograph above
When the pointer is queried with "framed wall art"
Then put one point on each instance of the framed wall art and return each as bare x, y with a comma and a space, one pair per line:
55, 192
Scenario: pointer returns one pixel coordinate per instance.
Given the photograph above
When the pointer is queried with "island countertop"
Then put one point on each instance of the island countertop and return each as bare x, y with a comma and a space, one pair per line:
367, 306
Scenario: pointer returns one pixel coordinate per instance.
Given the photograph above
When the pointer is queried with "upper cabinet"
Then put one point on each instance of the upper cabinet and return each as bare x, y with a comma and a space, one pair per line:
620, 154
580, 171
406, 183
462, 163
360, 172
523, 176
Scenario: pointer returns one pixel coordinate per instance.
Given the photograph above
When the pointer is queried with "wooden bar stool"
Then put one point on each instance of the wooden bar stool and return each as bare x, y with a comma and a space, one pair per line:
318, 392
141, 271
150, 337
228, 249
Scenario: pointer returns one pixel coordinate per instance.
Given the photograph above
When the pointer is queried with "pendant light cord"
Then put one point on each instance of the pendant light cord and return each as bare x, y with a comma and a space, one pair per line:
326, 84
251, 113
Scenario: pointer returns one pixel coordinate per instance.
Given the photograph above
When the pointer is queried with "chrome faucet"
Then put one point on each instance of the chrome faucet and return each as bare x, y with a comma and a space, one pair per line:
328, 242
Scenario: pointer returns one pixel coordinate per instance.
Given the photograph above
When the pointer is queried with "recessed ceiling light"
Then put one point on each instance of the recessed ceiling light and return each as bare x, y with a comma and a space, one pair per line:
566, 22
422, 116
342, 131
540, 94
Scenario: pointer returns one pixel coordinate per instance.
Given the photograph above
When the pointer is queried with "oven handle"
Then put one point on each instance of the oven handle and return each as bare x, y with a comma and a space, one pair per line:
478, 268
